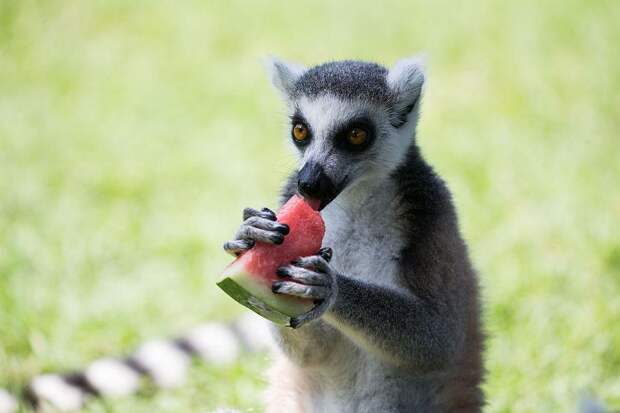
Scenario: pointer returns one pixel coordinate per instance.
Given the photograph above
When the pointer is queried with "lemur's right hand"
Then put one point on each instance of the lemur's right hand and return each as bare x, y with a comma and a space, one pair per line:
257, 226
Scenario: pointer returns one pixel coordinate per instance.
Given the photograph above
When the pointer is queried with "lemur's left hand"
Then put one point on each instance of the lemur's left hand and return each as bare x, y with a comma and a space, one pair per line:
309, 277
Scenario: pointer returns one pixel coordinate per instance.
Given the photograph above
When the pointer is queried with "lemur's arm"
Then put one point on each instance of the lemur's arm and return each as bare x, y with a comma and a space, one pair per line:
423, 323
409, 330
401, 328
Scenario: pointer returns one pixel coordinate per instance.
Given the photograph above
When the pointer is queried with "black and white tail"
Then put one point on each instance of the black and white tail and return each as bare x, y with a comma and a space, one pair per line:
164, 361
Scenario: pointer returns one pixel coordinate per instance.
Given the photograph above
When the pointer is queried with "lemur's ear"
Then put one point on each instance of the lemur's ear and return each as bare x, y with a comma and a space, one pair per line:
406, 81
284, 75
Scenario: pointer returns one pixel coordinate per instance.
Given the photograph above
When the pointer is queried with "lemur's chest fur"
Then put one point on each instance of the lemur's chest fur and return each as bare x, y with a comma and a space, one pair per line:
362, 229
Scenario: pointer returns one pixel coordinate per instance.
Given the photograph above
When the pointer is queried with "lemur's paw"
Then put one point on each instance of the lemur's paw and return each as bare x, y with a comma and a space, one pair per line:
309, 277
236, 247
257, 226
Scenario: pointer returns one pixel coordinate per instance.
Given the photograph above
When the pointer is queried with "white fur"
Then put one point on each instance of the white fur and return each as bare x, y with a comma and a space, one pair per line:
283, 75
8, 404
359, 226
360, 222
406, 80
112, 377
52, 391
214, 342
254, 331
166, 364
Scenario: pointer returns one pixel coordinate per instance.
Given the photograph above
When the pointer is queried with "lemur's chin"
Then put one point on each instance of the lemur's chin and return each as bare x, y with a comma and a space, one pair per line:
325, 202
318, 200
315, 203
333, 195
318, 204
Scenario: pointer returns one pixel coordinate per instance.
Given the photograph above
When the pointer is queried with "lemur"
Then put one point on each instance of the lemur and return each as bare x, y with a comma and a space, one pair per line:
396, 327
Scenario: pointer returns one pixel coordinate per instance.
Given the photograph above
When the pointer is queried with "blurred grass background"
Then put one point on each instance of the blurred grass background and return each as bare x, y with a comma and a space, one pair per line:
132, 133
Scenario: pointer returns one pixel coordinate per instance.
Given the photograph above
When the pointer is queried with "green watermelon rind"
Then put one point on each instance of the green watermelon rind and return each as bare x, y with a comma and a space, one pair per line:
258, 297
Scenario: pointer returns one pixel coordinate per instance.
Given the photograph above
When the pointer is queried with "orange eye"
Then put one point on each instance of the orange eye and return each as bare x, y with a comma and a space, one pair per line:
357, 136
300, 132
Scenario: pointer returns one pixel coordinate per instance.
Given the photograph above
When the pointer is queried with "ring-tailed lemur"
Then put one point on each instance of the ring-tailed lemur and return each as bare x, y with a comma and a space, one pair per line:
165, 362
397, 326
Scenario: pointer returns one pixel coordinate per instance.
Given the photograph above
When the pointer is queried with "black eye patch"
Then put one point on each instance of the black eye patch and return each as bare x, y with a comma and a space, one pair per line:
298, 118
341, 140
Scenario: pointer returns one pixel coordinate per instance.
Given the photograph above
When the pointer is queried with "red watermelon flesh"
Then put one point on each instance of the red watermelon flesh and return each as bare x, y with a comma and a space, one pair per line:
248, 279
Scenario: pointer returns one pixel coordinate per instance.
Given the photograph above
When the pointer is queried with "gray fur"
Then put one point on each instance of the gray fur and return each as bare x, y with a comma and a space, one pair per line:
347, 80
237, 246
296, 289
257, 226
304, 275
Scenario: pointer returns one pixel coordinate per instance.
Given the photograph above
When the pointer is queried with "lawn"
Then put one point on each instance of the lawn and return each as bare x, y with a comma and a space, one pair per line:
132, 134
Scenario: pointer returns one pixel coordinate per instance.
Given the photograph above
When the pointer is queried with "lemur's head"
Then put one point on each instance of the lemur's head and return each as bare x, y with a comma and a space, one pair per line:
349, 120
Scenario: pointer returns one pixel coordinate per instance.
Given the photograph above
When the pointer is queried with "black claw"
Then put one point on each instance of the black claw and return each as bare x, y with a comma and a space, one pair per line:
295, 262
268, 213
326, 253
283, 229
275, 287
281, 272
277, 239
294, 323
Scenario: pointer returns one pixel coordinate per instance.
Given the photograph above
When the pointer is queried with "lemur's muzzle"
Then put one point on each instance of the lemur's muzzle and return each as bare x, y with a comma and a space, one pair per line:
313, 183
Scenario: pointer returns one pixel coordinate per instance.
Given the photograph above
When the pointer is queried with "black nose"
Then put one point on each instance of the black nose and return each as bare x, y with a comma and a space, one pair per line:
312, 182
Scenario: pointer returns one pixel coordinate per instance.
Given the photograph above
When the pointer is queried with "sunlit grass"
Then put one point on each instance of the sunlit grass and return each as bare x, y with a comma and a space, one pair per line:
133, 133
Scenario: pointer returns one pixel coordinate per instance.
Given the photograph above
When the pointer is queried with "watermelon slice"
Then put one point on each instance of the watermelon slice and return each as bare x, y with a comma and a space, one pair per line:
248, 279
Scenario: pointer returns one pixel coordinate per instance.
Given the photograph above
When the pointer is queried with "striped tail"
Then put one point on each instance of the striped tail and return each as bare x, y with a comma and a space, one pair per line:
164, 361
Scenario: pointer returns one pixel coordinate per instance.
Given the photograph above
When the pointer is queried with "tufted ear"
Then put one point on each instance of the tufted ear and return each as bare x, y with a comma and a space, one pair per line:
406, 81
284, 75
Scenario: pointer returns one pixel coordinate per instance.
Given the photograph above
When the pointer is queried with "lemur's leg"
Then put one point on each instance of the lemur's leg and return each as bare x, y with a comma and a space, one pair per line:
257, 226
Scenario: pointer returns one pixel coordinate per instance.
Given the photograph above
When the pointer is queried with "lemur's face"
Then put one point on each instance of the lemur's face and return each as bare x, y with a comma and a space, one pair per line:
339, 141
349, 121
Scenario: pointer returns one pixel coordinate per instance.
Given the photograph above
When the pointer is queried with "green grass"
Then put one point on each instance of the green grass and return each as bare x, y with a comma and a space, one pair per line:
133, 133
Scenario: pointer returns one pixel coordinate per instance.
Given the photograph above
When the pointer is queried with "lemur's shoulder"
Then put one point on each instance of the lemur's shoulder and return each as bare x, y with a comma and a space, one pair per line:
422, 193
434, 259
435, 264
